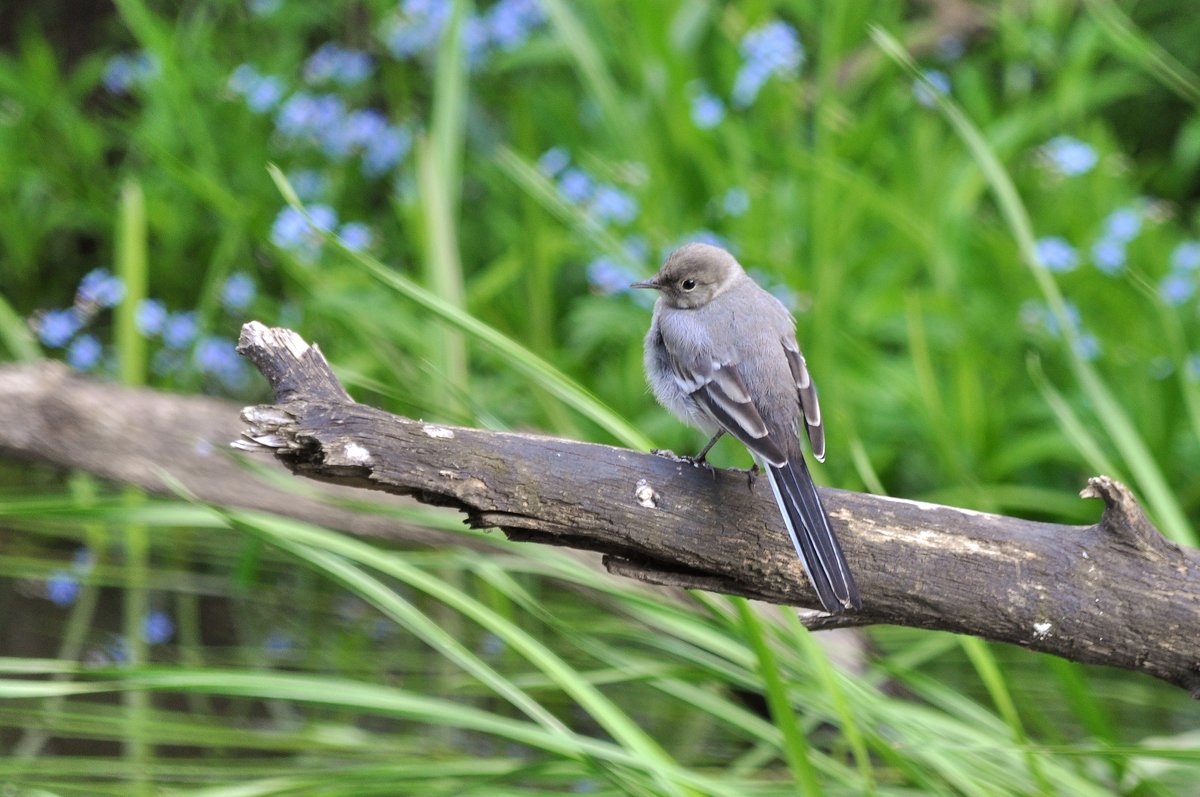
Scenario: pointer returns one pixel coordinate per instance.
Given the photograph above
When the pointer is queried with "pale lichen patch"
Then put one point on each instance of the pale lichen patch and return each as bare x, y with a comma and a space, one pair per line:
646, 495
355, 454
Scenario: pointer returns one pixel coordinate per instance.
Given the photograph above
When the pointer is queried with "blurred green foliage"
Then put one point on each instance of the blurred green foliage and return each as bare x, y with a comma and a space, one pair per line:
991, 253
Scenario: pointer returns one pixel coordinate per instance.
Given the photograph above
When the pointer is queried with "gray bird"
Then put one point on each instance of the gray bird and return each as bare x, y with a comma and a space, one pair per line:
722, 355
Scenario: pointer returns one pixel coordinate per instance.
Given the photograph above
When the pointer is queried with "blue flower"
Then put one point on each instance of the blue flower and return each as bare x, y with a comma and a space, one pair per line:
768, 50
926, 91
62, 588
265, 94
1056, 254
149, 317
607, 277
126, 71
1177, 288
56, 327
311, 117
386, 150
290, 229
334, 63
238, 292
735, 202
1108, 255
157, 628
363, 127
610, 204
707, 110
243, 77
355, 236
261, 92
309, 184
214, 354
84, 352
218, 357
1186, 256
1123, 225
509, 22
1069, 156
294, 233
99, 287
323, 217
575, 185
180, 330
416, 27
1074, 318
553, 161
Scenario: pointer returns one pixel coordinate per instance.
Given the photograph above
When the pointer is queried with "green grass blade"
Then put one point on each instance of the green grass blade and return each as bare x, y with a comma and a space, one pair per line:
15, 334
795, 744
1144, 51
132, 268
986, 666
439, 170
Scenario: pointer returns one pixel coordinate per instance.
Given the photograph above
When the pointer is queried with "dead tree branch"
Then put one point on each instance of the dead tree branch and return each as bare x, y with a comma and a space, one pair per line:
51, 414
1114, 593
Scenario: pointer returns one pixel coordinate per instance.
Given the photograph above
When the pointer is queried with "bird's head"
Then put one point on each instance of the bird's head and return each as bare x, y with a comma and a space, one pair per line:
693, 275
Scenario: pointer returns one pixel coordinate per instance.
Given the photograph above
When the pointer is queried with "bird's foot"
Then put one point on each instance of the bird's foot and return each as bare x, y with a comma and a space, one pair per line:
695, 462
751, 476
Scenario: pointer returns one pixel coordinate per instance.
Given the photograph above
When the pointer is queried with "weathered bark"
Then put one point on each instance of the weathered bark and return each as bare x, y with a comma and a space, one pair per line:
1115, 593
51, 414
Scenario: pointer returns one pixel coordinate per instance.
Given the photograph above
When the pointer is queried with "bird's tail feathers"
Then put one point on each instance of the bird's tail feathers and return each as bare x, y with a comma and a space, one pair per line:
812, 536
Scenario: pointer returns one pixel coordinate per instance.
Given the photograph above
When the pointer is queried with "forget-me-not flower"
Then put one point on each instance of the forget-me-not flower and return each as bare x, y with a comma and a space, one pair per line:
768, 50
333, 63
238, 291
1186, 256
1069, 156
84, 353
553, 161
1056, 254
707, 110
101, 288
56, 327
936, 82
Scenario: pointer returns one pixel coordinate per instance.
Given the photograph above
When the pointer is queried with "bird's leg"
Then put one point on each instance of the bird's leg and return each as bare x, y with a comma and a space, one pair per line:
699, 458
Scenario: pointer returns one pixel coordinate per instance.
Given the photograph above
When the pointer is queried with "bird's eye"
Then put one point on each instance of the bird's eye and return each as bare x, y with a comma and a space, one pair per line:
688, 284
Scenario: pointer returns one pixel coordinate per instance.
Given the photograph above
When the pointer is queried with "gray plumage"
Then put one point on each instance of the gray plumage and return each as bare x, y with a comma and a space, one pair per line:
722, 355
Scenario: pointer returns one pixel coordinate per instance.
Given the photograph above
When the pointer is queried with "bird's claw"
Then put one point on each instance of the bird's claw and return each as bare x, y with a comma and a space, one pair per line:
751, 475
695, 462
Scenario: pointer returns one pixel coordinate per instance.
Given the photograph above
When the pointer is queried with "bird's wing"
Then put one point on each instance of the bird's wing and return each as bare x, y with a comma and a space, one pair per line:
808, 396
718, 387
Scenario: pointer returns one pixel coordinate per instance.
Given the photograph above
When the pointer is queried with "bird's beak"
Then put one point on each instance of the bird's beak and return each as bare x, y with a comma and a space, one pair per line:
646, 284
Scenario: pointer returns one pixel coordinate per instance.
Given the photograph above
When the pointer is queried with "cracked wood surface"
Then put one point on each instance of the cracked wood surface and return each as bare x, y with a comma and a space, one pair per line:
1113, 593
